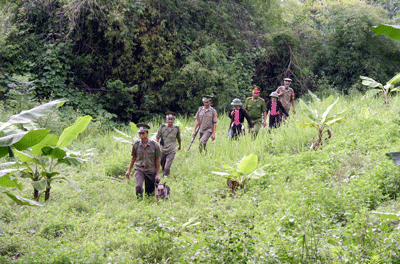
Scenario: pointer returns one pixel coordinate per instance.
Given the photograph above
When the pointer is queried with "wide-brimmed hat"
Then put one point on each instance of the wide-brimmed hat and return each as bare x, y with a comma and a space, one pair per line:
236, 102
287, 80
143, 127
274, 94
207, 98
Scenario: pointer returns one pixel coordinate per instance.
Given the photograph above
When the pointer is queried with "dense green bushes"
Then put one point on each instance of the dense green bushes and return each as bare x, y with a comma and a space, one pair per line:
128, 60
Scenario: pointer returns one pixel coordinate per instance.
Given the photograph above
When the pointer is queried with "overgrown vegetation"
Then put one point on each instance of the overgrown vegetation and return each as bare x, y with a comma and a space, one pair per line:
47, 150
127, 60
335, 205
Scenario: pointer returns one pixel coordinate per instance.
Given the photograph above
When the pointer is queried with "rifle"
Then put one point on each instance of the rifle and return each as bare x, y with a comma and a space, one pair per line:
191, 142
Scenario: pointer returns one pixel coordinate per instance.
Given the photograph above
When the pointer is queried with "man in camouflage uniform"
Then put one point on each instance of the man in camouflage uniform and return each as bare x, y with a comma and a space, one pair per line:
206, 120
168, 134
146, 156
256, 108
286, 96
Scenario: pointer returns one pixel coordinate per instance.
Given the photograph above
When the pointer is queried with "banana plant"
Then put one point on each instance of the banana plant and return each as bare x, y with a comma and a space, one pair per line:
30, 134
313, 118
41, 163
20, 132
386, 89
245, 170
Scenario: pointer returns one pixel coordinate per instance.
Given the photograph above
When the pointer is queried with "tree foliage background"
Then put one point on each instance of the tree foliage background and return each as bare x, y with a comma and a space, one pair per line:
131, 59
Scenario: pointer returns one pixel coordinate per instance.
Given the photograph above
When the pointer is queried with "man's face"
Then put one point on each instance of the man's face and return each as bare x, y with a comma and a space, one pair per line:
143, 135
170, 120
286, 83
237, 107
207, 104
255, 94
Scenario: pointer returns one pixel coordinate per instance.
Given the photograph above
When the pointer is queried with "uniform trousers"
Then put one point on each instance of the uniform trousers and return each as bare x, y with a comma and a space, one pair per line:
203, 140
149, 181
166, 162
257, 126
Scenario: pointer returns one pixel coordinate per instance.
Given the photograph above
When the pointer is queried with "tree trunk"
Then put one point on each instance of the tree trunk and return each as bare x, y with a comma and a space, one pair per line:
47, 193
36, 195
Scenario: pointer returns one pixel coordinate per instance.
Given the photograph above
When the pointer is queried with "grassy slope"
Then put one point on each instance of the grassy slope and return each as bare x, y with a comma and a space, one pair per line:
311, 206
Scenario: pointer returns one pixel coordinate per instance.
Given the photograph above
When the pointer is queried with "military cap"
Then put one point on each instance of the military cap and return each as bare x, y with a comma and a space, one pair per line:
236, 101
256, 89
170, 114
207, 98
287, 80
274, 94
143, 127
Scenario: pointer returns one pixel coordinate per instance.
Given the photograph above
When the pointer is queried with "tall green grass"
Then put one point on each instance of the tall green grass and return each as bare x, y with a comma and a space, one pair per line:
311, 207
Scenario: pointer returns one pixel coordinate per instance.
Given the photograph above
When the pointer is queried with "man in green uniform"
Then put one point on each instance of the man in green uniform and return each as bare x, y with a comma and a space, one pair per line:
256, 108
146, 156
286, 96
206, 120
168, 134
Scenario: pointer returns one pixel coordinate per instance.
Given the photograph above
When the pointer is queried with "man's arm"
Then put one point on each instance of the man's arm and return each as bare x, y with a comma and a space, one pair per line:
214, 131
128, 173
246, 115
158, 135
195, 128
158, 164
264, 122
294, 110
178, 138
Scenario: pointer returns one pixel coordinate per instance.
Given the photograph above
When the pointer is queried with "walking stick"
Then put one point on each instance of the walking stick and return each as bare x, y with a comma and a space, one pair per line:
191, 142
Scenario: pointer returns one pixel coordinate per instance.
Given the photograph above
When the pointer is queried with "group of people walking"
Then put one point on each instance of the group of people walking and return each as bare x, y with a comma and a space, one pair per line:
149, 156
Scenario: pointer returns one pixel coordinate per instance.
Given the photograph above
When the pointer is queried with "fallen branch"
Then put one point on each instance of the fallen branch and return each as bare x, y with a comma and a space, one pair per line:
115, 179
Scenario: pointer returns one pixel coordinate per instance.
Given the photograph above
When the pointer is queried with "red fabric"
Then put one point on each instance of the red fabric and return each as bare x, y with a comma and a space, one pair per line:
236, 118
273, 109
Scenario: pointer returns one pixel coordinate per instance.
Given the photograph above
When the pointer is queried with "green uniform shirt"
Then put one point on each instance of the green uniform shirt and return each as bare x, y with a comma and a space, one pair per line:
146, 157
255, 109
206, 119
169, 137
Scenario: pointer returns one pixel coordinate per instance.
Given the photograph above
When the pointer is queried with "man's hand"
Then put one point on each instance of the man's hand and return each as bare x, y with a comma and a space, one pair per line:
158, 177
212, 137
232, 112
179, 147
294, 111
194, 134
252, 129
127, 174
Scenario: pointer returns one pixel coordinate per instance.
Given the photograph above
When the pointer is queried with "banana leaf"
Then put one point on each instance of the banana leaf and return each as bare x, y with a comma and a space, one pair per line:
393, 31
8, 181
33, 114
395, 156
22, 141
22, 200
248, 164
72, 132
